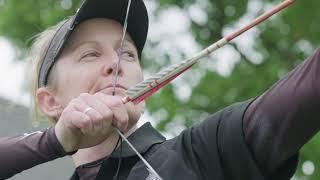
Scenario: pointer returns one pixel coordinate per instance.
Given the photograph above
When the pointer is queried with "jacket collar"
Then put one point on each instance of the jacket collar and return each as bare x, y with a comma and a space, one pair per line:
142, 139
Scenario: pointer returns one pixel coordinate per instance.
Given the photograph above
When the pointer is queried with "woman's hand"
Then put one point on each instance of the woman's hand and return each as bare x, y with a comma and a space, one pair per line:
88, 119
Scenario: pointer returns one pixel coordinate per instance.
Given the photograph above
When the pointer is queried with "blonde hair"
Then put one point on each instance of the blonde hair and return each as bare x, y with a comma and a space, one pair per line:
36, 55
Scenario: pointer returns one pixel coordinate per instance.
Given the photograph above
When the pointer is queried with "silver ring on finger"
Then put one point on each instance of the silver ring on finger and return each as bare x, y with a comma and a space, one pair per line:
87, 110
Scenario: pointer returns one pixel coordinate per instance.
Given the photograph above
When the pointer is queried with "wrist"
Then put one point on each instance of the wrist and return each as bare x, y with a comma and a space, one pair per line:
60, 143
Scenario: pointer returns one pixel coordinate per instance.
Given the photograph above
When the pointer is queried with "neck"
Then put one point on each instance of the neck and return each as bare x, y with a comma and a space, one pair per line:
87, 155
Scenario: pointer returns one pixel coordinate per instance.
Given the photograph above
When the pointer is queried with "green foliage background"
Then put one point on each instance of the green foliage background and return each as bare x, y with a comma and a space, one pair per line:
282, 42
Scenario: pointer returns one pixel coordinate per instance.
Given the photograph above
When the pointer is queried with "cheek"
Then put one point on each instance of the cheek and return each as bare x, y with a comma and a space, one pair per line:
136, 72
72, 81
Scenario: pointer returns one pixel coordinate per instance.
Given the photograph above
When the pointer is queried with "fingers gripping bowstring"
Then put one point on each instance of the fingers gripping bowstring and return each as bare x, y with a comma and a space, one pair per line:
153, 174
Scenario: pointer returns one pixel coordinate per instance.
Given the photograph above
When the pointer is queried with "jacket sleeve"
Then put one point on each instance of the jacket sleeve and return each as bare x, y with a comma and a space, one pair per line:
279, 122
25, 151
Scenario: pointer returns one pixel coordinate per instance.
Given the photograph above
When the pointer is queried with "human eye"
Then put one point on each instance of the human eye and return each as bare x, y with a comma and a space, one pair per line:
128, 55
90, 55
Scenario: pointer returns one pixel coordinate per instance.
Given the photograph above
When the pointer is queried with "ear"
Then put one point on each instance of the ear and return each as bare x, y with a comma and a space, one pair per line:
48, 103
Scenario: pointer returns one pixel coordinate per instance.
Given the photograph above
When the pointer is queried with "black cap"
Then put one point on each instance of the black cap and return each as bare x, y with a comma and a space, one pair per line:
111, 9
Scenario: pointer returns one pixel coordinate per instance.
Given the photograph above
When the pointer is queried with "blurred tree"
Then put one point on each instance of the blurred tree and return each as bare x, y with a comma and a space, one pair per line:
278, 45
22, 20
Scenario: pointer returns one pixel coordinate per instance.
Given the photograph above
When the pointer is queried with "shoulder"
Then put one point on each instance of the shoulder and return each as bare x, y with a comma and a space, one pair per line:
213, 147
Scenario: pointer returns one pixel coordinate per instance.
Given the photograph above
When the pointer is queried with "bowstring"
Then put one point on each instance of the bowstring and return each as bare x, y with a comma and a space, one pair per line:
124, 30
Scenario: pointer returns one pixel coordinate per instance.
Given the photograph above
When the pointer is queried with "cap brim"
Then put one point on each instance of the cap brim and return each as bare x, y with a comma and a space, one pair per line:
116, 10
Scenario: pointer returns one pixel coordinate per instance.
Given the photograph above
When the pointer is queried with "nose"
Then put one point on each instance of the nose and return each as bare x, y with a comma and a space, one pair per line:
111, 67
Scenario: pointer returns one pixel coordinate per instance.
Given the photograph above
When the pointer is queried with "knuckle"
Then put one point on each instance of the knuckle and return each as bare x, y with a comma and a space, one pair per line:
75, 101
107, 113
72, 102
98, 118
125, 117
84, 95
123, 125
100, 94
116, 102
123, 120
85, 122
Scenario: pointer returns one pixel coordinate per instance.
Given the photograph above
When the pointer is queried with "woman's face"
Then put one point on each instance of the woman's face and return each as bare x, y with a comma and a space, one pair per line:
88, 62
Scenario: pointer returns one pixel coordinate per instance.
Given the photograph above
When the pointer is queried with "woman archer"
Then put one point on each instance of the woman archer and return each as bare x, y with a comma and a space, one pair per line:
76, 63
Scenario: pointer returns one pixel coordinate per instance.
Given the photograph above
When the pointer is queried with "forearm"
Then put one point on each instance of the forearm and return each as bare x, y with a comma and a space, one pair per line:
279, 122
23, 152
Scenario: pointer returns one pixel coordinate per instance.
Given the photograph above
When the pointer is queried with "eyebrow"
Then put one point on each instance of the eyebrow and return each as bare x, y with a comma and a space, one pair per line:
72, 47
126, 42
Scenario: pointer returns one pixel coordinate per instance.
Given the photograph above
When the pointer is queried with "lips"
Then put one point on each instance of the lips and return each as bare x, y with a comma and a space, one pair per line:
109, 88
